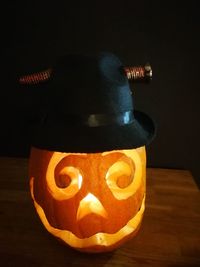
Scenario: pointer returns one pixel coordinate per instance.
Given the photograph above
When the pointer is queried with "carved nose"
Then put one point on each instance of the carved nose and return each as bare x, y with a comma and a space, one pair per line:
90, 204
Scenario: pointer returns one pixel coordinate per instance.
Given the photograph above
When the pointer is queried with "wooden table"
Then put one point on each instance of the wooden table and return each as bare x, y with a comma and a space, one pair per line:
169, 236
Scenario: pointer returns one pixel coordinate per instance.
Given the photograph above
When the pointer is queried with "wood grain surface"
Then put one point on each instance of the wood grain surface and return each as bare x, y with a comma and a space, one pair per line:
169, 235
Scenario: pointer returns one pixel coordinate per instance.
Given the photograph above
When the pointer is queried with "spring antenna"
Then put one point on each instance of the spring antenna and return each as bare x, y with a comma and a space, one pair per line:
133, 73
139, 73
36, 78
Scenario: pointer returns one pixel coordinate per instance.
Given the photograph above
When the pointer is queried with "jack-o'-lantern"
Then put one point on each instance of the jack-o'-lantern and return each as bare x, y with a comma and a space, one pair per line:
88, 161
93, 202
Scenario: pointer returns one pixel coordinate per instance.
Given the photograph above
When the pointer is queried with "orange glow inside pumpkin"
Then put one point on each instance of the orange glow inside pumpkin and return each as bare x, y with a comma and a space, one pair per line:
90, 201
90, 204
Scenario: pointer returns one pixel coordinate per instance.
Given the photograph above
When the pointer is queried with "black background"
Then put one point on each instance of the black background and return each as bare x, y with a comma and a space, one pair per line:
166, 34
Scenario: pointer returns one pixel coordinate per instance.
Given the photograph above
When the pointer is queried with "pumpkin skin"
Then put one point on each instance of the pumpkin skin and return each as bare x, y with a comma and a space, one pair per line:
92, 202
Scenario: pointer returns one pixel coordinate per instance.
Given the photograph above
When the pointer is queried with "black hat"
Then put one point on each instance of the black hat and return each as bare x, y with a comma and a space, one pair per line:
89, 108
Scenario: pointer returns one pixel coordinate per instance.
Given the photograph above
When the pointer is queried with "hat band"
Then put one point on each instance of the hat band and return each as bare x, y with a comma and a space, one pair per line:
96, 120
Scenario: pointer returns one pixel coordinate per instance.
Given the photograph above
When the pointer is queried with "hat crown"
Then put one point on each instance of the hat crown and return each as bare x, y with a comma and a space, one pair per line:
89, 108
89, 85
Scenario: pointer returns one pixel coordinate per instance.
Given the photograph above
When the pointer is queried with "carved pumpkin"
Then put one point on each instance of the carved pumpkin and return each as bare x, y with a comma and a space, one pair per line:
92, 202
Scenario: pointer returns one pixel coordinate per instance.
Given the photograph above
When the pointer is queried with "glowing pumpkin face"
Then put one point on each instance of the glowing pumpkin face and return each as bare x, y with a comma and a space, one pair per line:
93, 202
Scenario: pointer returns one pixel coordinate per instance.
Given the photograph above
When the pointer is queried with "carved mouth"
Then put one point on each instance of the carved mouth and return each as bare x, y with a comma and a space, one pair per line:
98, 239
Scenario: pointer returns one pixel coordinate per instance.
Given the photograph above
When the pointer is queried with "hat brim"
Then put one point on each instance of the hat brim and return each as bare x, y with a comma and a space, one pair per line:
82, 139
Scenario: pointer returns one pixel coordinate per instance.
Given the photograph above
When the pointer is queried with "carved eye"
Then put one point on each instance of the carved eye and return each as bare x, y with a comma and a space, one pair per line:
124, 174
120, 179
121, 174
63, 182
67, 176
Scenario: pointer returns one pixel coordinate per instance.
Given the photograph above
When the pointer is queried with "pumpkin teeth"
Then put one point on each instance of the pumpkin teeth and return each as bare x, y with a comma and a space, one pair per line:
99, 239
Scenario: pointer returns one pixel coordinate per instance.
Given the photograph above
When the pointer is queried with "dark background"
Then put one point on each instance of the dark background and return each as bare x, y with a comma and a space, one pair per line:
166, 34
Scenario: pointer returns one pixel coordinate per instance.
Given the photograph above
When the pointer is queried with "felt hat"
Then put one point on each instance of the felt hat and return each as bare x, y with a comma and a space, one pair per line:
89, 108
